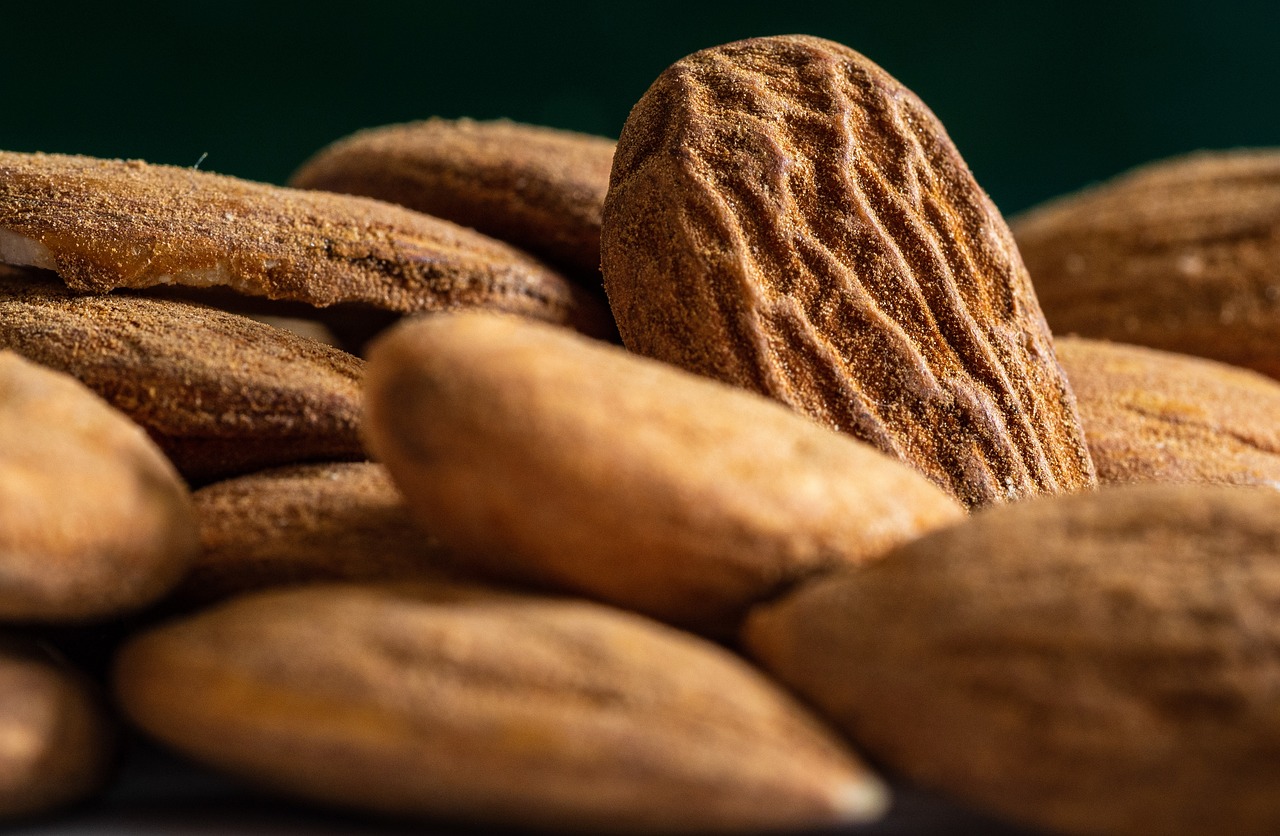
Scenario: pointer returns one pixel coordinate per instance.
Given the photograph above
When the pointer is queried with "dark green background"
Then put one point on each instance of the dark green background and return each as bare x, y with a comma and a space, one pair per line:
1040, 98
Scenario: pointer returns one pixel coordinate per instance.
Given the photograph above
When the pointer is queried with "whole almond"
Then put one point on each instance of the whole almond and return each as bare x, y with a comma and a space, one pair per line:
1155, 416
93, 519
551, 458
489, 707
1181, 255
1100, 663
785, 216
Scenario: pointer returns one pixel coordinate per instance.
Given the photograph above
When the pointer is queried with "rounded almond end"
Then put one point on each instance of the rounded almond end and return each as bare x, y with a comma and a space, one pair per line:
861, 801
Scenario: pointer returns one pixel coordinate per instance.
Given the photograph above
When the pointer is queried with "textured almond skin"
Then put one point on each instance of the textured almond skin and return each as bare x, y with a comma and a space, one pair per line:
108, 224
489, 707
1181, 255
1155, 416
220, 393
551, 458
1100, 663
785, 216
93, 519
539, 188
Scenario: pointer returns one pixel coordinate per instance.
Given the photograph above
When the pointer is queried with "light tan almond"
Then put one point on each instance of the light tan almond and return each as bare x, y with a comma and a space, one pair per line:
785, 216
1100, 663
1181, 255
489, 707
93, 519
548, 457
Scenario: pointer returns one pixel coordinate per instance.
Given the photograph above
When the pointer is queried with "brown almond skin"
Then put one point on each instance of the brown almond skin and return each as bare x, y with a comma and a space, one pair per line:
540, 188
220, 393
489, 707
554, 459
1181, 255
786, 217
1100, 663
59, 744
1156, 416
94, 521
109, 224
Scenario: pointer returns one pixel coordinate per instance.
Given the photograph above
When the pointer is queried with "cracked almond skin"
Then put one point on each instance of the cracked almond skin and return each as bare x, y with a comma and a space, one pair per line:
1155, 416
220, 393
58, 742
1098, 663
545, 457
107, 224
301, 524
489, 707
1181, 255
94, 521
540, 188
786, 217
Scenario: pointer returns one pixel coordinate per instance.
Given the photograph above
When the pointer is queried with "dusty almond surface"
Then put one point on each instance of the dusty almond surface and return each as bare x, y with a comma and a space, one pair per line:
540, 188
220, 393
1154, 416
56, 741
338, 521
489, 707
785, 216
107, 224
1100, 663
556, 459
1181, 255
93, 518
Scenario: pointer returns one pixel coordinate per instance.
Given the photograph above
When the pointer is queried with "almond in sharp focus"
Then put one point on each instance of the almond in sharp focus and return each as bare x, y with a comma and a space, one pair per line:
489, 707
1100, 663
786, 217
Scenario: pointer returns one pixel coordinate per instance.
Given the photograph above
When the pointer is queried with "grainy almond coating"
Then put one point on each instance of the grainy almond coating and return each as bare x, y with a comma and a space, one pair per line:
1181, 255
1100, 663
93, 519
785, 216
539, 188
1155, 416
220, 393
489, 707
556, 459
108, 224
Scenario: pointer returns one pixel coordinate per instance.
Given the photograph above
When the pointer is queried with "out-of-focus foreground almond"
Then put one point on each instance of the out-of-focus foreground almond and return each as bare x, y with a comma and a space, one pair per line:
555, 459
1181, 255
785, 216
1155, 416
489, 707
1100, 663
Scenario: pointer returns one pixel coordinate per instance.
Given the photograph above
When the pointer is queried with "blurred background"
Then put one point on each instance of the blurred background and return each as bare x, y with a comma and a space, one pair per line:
1040, 98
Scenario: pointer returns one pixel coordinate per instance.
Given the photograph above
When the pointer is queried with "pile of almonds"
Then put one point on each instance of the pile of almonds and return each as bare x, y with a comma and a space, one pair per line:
842, 499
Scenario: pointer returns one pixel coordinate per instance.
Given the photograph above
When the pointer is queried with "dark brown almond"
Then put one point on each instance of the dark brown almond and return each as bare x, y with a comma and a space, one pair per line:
108, 224
1181, 255
539, 188
1099, 663
93, 519
785, 216
220, 393
1154, 416
489, 707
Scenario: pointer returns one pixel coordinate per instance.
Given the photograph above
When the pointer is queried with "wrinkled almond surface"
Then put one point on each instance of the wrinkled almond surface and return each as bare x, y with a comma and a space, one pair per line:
1100, 663
489, 707
553, 458
785, 216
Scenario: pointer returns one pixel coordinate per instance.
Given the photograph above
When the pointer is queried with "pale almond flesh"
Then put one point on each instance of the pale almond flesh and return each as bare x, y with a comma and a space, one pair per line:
785, 216
489, 707
1099, 663
544, 456
1156, 416
94, 521
1181, 255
